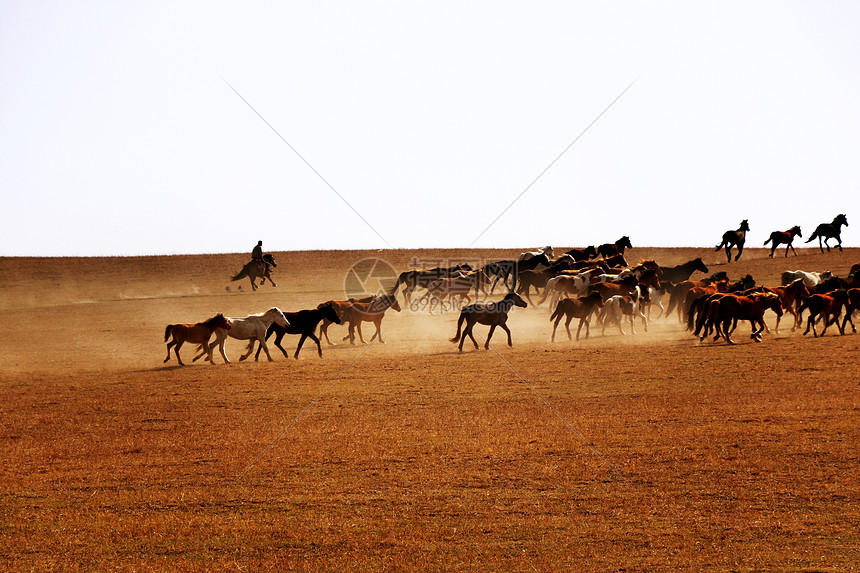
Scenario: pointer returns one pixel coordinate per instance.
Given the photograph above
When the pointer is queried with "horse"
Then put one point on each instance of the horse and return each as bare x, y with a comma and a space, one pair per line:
828, 231
588, 252
778, 238
681, 273
679, 291
825, 306
618, 306
547, 250
792, 296
254, 270
851, 307
198, 333
252, 328
811, 279
423, 277
580, 308
459, 286
656, 297
607, 250
492, 314
303, 322
564, 285
340, 307
735, 238
730, 307
372, 311
502, 270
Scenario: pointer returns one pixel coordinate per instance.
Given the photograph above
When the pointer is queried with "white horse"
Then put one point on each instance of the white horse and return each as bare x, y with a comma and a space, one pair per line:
547, 250
565, 285
810, 279
616, 307
252, 328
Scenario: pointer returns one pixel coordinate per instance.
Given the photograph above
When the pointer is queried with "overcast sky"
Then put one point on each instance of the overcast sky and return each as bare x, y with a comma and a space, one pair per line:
202, 127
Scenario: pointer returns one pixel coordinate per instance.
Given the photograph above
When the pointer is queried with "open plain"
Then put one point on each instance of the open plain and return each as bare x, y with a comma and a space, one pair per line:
646, 452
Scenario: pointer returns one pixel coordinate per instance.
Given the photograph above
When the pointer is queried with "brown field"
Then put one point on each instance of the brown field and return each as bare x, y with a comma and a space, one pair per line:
651, 452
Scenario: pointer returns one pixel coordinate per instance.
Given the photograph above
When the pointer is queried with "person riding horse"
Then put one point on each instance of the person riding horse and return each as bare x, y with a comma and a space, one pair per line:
257, 257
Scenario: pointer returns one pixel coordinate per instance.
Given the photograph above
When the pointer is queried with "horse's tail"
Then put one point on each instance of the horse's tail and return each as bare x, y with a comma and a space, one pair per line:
459, 327
812, 237
167, 331
240, 275
557, 312
696, 308
769, 240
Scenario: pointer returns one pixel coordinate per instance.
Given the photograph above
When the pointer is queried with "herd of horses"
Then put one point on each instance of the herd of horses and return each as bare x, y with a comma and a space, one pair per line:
595, 283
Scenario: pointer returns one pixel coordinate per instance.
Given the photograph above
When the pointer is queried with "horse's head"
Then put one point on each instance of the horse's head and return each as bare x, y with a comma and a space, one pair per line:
745, 225
516, 299
270, 259
699, 265
624, 242
220, 321
590, 252
329, 312
383, 303
840, 220
795, 231
596, 298
720, 276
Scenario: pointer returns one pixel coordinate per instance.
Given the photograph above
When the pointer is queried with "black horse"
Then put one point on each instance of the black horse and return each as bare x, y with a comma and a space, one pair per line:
303, 322
735, 238
492, 314
588, 252
683, 272
827, 231
606, 250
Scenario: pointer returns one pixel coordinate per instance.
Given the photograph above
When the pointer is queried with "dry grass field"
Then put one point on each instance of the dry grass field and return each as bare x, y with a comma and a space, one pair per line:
652, 452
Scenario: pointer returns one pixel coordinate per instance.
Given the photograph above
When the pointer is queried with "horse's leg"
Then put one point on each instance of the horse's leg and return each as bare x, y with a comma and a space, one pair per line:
169, 345
489, 336
263, 345
567, 322
508, 330
740, 251
378, 331
176, 351
313, 337
302, 341
469, 326
728, 253
360, 337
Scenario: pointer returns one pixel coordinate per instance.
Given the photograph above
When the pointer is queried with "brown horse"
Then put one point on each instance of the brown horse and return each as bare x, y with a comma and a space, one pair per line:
723, 311
198, 333
255, 269
373, 311
792, 295
580, 308
457, 286
851, 307
827, 306
340, 307
735, 238
778, 238
492, 314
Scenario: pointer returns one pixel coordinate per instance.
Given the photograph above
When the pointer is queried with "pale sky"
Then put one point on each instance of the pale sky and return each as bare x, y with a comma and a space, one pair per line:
121, 134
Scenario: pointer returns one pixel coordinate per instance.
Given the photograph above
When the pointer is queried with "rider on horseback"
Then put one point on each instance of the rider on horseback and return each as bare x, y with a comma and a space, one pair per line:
257, 257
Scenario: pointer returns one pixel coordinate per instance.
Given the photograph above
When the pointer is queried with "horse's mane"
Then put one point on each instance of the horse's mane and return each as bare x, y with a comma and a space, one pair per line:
217, 318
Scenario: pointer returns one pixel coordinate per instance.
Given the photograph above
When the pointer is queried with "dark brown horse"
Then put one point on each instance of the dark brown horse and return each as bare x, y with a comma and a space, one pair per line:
778, 238
826, 306
423, 277
580, 308
198, 333
588, 252
492, 314
735, 238
607, 250
827, 231
255, 269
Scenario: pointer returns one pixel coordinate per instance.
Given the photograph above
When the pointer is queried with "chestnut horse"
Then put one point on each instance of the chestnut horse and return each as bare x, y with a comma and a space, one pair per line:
254, 270
198, 333
735, 238
824, 306
373, 311
778, 238
492, 314
829, 231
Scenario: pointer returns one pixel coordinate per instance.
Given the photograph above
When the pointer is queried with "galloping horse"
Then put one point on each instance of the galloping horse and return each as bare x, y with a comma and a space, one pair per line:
492, 314
681, 273
254, 270
421, 278
588, 252
778, 238
303, 322
251, 328
547, 250
825, 306
735, 238
198, 333
829, 231
606, 250
580, 308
